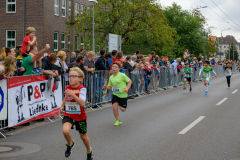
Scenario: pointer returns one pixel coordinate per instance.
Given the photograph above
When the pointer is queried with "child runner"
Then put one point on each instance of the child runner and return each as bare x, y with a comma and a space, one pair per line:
30, 40
117, 83
188, 71
74, 101
206, 74
228, 72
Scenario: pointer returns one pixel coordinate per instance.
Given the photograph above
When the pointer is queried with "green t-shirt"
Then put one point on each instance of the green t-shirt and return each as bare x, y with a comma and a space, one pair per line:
118, 84
206, 72
28, 65
187, 74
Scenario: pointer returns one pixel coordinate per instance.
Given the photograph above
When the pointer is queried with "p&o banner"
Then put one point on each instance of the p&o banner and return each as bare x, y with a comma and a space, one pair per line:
31, 98
3, 99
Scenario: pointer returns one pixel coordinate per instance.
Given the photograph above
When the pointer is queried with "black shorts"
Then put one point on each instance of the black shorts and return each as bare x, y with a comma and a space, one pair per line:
121, 101
81, 126
188, 79
25, 54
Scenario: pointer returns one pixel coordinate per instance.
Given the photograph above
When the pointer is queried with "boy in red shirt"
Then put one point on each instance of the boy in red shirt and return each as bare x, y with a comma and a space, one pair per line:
30, 40
74, 102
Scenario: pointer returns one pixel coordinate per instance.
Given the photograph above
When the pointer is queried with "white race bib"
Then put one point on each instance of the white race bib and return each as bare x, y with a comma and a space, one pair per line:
187, 75
72, 108
115, 89
206, 74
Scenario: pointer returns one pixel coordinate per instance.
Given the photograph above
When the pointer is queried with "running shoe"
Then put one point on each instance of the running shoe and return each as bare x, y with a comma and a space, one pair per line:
117, 123
90, 155
190, 89
228, 85
206, 92
69, 149
184, 88
39, 69
35, 71
208, 82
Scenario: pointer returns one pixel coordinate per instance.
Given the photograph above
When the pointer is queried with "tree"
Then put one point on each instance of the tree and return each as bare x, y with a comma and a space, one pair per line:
140, 22
190, 29
235, 53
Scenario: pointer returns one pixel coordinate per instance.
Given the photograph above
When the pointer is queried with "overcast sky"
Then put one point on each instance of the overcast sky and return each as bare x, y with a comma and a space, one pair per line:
215, 17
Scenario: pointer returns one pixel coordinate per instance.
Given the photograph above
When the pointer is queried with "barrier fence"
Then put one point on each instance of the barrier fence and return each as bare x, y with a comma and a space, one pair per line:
142, 84
161, 79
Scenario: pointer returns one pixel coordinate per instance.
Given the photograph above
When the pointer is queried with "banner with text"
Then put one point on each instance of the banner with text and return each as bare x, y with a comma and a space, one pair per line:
3, 99
31, 98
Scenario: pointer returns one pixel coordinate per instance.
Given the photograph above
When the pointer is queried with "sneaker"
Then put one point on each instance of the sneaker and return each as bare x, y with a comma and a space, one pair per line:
35, 71
174, 86
181, 82
39, 69
117, 123
90, 155
184, 88
69, 149
206, 92
190, 89
228, 85
208, 82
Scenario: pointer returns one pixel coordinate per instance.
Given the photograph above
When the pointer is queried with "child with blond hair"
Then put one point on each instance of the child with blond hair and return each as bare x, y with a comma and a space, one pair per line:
30, 40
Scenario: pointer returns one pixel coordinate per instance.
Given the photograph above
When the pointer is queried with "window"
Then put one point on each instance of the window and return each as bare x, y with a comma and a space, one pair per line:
63, 41
76, 43
11, 38
69, 8
63, 8
76, 9
56, 10
11, 6
55, 41
82, 9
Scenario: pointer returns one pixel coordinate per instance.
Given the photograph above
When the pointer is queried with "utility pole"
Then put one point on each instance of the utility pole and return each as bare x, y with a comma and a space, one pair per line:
72, 22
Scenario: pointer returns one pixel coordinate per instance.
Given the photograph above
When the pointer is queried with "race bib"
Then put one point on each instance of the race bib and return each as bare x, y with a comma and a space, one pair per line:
229, 71
116, 89
187, 75
72, 108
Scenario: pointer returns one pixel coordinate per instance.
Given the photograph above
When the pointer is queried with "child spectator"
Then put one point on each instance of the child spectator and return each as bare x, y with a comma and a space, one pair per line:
30, 40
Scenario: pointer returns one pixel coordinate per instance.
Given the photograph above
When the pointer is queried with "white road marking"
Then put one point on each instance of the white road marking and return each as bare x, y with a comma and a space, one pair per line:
235, 91
219, 103
185, 130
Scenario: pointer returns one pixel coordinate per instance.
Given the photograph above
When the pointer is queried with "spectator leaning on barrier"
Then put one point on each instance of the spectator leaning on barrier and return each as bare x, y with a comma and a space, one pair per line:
134, 60
73, 57
48, 65
78, 63
7, 67
61, 62
101, 63
28, 61
89, 63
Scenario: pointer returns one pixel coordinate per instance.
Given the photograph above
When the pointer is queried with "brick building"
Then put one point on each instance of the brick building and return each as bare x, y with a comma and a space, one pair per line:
48, 17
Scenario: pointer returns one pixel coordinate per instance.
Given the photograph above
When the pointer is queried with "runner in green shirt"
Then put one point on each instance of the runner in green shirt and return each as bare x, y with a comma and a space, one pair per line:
187, 71
206, 69
117, 83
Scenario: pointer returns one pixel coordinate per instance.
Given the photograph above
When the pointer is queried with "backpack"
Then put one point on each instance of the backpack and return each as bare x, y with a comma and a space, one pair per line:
178, 67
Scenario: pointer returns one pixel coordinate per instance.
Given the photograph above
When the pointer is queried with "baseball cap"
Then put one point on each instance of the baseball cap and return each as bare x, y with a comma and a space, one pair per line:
107, 55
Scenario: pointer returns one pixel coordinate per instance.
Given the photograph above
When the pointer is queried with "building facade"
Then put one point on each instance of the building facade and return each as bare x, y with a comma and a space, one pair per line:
48, 17
224, 44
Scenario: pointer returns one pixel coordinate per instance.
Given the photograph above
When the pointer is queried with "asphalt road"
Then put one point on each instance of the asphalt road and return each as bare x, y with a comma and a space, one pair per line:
172, 125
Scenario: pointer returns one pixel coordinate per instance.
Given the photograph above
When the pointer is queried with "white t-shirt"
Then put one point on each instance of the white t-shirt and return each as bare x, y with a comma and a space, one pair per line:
132, 63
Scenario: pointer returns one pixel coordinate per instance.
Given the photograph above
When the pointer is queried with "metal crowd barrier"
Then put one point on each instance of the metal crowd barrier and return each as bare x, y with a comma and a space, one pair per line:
161, 79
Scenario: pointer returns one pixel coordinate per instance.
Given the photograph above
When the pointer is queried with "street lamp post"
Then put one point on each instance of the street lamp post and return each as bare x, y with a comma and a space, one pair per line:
94, 1
222, 42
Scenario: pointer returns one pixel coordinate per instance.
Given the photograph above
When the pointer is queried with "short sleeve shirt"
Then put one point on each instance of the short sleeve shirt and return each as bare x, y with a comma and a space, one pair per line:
119, 80
25, 44
229, 71
187, 74
89, 64
28, 65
